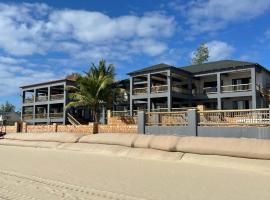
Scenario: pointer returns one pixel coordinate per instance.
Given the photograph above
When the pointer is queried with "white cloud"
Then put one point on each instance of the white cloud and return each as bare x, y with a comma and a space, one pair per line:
28, 29
37, 31
211, 15
219, 50
14, 75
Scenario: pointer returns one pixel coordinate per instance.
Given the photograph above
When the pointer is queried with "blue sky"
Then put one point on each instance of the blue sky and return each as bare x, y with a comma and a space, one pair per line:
46, 40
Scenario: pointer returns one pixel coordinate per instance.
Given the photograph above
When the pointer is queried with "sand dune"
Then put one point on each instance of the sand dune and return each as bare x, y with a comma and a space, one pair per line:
38, 173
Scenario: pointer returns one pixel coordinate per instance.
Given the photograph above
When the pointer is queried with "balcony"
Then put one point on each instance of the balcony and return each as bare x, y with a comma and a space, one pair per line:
210, 90
41, 98
28, 100
27, 116
55, 97
159, 88
236, 88
179, 89
138, 91
56, 115
41, 116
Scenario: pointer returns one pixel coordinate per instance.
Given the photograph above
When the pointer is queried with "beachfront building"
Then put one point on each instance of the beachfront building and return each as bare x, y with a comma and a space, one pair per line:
44, 103
226, 84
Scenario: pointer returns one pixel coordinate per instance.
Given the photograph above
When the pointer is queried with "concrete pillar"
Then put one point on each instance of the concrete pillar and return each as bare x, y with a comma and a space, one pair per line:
192, 122
219, 106
148, 104
55, 127
253, 88
24, 127
190, 91
130, 96
34, 109
93, 127
17, 127
169, 98
141, 122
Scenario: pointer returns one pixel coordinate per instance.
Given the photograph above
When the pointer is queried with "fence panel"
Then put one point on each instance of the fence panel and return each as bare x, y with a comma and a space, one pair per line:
167, 118
251, 117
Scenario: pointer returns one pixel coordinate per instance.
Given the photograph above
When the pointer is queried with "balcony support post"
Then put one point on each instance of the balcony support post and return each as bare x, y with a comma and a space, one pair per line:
149, 88
253, 88
34, 106
130, 96
169, 84
48, 106
219, 106
190, 91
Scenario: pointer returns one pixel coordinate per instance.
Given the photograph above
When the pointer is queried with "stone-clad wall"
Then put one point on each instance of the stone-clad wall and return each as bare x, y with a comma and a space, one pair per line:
91, 128
10, 129
40, 128
117, 129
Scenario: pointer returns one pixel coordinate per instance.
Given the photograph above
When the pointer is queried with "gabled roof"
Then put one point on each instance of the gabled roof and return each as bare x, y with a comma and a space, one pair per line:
216, 66
158, 67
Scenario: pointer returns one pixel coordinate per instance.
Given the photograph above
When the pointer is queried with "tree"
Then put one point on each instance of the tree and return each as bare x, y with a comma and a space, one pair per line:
201, 55
94, 88
7, 107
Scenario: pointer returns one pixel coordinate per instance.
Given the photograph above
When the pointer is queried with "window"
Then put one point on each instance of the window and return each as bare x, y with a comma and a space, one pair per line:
241, 104
240, 81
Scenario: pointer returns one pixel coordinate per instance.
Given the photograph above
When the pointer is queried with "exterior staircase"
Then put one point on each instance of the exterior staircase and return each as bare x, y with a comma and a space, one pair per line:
72, 120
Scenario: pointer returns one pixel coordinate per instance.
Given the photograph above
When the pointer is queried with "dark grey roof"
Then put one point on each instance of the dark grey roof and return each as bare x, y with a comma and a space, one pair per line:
46, 83
161, 66
216, 66
151, 68
200, 68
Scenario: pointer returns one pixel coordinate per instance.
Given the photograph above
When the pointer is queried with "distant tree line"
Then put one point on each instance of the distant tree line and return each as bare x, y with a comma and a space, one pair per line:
7, 107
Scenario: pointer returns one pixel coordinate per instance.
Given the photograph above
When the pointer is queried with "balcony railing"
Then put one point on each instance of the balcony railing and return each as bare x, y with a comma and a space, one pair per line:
209, 90
159, 88
41, 98
28, 100
236, 88
27, 116
55, 97
41, 116
179, 89
122, 113
56, 115
137, 91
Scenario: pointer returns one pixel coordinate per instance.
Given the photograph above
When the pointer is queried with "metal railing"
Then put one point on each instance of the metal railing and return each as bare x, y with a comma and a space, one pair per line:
236, 88
137, 91
72, 120
159, 88
209, 90
55, 97
234, 117
41, 98
179, 89
56, 115
166, 118
124, 113
27, 116
41, 115
29, 100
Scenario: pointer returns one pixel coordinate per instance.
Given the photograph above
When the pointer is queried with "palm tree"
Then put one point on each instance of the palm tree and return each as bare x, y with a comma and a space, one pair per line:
94, 88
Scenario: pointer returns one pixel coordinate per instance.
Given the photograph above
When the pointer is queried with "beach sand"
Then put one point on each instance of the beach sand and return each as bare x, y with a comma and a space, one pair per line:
40, 173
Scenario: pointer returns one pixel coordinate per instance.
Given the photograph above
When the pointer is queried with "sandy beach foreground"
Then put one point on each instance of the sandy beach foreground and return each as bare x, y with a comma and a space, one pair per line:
37, 173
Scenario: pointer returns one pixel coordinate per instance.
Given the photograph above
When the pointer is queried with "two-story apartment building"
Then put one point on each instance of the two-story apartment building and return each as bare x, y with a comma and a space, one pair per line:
226, 84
